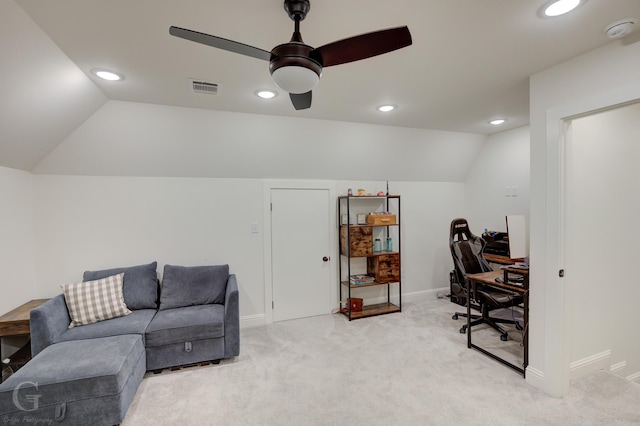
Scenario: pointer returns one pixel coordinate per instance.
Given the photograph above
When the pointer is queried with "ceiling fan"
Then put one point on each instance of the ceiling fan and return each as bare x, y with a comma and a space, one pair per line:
295, 66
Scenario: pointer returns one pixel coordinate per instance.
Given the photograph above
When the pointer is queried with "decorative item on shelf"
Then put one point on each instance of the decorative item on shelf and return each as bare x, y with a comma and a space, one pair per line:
361, 279
381, 219
389, 245
380, 193
377, 245
349, 192
362, 219
361, 192
355, 303
344, 219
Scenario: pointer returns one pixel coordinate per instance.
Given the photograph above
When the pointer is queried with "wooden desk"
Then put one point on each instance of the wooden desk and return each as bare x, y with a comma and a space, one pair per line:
16, 322
489, 279
500, 260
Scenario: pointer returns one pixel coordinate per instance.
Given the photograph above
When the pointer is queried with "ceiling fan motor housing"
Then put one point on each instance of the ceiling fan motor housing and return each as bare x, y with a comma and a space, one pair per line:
289, 58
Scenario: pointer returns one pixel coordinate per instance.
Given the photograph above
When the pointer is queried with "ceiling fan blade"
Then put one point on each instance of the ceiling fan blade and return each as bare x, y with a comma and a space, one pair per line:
301, 100
220, 43
362, 46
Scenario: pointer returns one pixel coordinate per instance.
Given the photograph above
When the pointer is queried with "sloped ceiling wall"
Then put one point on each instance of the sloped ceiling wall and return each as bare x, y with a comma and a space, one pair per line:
134, 139
43, 95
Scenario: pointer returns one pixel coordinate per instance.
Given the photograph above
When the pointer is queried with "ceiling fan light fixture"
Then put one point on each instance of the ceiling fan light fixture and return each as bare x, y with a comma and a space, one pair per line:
560, 7
295, 79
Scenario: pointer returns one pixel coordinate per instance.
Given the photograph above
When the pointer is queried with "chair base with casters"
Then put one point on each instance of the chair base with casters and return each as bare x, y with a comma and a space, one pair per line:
459, 296
496, 301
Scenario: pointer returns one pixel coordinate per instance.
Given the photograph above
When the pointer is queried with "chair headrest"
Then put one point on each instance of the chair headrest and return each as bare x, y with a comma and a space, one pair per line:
460, 230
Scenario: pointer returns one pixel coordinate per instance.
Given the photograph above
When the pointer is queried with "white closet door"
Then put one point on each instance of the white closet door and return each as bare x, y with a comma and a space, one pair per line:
301, 264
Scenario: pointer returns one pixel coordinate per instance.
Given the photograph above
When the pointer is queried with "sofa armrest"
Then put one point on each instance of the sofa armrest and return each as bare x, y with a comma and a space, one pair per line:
48, 322
231, 319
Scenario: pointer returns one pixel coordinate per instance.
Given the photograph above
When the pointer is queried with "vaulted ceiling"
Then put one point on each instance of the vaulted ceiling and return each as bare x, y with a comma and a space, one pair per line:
469, 62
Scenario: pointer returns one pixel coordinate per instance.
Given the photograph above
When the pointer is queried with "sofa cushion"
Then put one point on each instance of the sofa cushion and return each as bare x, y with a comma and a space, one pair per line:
140, 284
81, 382
94, 301
193, 285
134, 323
185, 325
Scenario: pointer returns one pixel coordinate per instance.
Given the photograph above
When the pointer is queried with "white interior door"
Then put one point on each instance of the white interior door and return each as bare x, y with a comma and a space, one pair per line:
300, 253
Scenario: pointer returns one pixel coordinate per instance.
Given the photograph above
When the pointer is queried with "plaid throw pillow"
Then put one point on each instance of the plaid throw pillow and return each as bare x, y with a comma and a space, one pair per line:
94, 301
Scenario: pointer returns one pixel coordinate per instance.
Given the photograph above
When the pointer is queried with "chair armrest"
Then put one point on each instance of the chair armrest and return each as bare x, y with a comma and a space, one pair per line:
231, 318
47, 322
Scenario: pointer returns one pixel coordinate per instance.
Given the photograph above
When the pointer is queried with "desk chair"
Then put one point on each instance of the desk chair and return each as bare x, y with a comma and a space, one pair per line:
467, 252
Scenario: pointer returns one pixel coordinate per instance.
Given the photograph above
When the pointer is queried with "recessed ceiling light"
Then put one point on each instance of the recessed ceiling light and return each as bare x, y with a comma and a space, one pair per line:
386, 108
560, 7
497, 121
266, 94
107, 75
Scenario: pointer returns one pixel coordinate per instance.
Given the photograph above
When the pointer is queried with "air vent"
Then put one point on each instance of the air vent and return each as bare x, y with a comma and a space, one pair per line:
204, 87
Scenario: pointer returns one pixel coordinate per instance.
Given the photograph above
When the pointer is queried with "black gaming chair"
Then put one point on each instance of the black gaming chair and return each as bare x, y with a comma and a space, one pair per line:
467, 252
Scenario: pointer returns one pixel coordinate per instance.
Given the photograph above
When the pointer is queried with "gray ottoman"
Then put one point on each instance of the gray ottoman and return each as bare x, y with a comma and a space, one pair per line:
80, 382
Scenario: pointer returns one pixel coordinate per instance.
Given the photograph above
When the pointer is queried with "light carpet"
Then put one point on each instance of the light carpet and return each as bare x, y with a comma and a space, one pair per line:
407, 368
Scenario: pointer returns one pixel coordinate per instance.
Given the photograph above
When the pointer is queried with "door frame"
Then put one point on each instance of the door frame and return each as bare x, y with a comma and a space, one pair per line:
271, 184
553, 315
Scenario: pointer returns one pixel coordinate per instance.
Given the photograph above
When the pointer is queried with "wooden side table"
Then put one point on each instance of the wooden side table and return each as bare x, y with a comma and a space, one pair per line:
16, 323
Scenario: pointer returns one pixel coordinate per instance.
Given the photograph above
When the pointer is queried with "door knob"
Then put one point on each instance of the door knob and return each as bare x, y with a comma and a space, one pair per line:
325, 259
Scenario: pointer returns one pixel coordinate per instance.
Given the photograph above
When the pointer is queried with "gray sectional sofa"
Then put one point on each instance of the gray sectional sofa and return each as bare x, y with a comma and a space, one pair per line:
89, 374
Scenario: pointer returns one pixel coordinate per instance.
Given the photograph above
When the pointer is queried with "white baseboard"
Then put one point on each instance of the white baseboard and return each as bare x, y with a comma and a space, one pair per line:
635, 377
535, 377
590, 364
248, 321
414, 296
256, 320
617, 368
418, 296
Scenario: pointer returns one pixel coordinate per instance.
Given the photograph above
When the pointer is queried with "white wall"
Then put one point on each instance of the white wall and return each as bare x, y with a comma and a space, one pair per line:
132, 139
90, 222
595, 80
16, 243
427, 211
602, 237
16, 234
503, 162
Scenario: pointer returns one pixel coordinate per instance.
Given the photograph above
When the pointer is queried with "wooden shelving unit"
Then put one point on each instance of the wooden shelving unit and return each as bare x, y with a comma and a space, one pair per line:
357, 242
377, 309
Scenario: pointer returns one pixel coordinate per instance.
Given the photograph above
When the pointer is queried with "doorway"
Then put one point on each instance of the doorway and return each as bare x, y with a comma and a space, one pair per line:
302, 271
601, 209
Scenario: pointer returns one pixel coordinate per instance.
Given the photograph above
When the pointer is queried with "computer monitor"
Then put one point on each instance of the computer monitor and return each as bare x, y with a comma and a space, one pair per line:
518, 233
